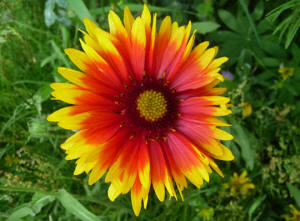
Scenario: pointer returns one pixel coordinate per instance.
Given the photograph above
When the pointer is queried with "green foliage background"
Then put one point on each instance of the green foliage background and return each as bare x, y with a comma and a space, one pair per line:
259, 37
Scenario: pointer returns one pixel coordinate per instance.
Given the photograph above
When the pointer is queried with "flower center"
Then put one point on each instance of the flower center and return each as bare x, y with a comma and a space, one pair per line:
151, 105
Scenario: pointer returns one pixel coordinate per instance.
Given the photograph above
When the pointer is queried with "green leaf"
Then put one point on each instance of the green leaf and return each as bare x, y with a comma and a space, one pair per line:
3, 151
43, 93
49, 15
254, 206
263, 26
258, 11
60, 55
265, 76
133, 8
39, 200
252, 25
20, 213
205, 26
292, 32
40, 96
73, 206
282, 27
272, 47
140, 7
295, 192
271, 62
228, 19
241, 137
80, 9
273, 15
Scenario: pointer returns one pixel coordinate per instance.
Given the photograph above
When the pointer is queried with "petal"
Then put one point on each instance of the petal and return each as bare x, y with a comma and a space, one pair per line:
113, 192
136, 197
146, 16
73, 76
128, 19
115, 24
88, 82
200, 106
143, 164
138, 46
94, 29
78, 58
107, 155
93, 64
72, 94
149, 62
67, 120
113, 57
207, 57
158, 170
186, 158
221, 134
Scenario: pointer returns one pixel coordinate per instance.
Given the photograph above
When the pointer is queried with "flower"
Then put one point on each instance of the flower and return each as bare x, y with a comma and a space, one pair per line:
10, 160
239, 184
247, 109
295, 214
227, 75
206, 213
144, 107
286, 72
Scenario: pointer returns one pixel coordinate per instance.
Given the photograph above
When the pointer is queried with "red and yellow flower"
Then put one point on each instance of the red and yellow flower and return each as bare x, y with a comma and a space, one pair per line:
144, 105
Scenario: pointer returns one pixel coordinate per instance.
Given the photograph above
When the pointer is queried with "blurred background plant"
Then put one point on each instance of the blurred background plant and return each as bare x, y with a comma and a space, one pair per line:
261, 38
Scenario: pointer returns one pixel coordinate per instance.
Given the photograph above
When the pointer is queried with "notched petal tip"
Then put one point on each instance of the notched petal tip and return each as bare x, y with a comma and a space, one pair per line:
113, 193
225, 59
86, 20
68, 51
222, 135
51, 118
146, 16
79, 169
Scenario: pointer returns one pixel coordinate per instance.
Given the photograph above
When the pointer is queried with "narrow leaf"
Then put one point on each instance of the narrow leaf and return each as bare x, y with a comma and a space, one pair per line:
20, 213
252, 25
228, 19
241, 137
43, 93
73, 206
258, 11
292, 32
295, 192
39, 200
205, 27
80, 9
254, 206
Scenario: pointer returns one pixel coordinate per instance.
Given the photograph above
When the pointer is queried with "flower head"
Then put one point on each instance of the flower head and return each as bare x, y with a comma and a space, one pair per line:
10, 160
145, 107
239, 184
295, 214
227, 75
247, 109
206, 213
286, 72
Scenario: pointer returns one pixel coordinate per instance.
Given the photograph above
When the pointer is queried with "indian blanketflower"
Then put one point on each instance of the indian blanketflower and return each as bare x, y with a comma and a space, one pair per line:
144, 105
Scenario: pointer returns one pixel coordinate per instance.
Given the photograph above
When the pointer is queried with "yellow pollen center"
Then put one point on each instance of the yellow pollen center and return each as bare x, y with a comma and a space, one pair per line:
151, 105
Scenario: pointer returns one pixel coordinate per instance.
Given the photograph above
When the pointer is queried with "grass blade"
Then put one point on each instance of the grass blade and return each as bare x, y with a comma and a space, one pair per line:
252, 25
254, 206
291, 33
